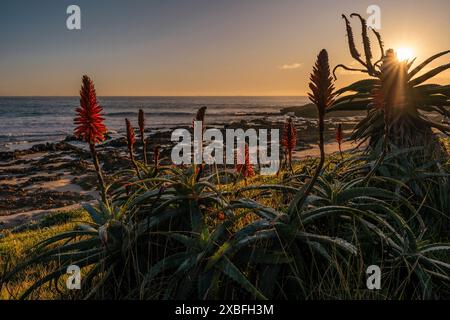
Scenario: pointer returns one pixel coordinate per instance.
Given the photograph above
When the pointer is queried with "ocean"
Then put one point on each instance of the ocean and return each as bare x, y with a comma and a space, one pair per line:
25, 121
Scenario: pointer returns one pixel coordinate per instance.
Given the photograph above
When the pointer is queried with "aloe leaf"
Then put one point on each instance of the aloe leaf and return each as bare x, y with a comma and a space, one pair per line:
425, 63
230, 270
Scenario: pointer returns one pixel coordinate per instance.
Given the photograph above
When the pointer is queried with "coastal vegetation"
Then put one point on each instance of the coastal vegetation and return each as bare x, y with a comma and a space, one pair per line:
164, 231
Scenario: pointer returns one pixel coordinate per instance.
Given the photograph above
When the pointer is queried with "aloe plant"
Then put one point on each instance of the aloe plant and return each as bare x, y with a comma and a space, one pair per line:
398, 101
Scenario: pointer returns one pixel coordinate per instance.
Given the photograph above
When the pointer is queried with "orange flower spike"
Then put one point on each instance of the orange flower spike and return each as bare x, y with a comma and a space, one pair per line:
156, 155
89, 126
200, 116
246, 169
131, 138
89, 120
141, 122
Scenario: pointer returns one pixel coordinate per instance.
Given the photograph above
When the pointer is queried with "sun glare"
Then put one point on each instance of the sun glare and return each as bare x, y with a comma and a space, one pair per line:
404, 54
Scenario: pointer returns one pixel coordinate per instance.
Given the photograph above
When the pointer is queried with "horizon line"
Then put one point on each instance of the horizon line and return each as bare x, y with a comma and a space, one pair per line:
153, 96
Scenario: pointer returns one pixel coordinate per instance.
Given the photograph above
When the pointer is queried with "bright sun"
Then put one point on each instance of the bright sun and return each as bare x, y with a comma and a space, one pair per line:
404, 54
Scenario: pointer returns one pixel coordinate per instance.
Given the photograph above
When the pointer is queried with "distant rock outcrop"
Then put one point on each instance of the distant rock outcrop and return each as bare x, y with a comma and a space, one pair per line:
310, 111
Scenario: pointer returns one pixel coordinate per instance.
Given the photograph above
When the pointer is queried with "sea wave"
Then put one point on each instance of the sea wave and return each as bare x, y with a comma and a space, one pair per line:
51, 118
133, 114
31, 134
167, 113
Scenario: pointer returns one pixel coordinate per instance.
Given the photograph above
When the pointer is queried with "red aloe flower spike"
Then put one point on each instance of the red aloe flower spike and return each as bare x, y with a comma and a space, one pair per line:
200, 116
156, 155
90, 127
141, 121
89, 120
131, 140
246, 169
339, 138
289, 139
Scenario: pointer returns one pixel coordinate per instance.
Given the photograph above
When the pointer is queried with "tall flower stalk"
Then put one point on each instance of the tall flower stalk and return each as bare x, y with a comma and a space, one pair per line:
131, 141
246, 168
322, 95
90, 127
156, 156
141, 121
339, 138
289, 140
200, 116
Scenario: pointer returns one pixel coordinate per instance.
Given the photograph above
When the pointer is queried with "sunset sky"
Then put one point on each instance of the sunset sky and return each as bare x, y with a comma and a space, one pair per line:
197, 47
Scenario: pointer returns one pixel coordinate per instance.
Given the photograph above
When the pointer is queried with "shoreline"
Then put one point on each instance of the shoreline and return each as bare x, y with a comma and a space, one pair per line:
53, 176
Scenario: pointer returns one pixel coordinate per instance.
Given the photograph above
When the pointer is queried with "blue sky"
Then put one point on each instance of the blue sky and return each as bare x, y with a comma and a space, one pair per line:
194, 47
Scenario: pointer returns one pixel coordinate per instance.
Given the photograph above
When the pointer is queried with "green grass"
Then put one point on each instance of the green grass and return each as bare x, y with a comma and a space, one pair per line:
15, 246
246, 253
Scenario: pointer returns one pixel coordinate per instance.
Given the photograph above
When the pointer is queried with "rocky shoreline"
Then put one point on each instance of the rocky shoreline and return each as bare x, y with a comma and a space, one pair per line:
56, 175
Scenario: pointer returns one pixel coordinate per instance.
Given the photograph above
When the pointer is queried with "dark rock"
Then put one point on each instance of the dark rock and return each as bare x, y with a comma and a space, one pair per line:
113, 160
7, 156
72, 138
59, 146
13, 202
116, 143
